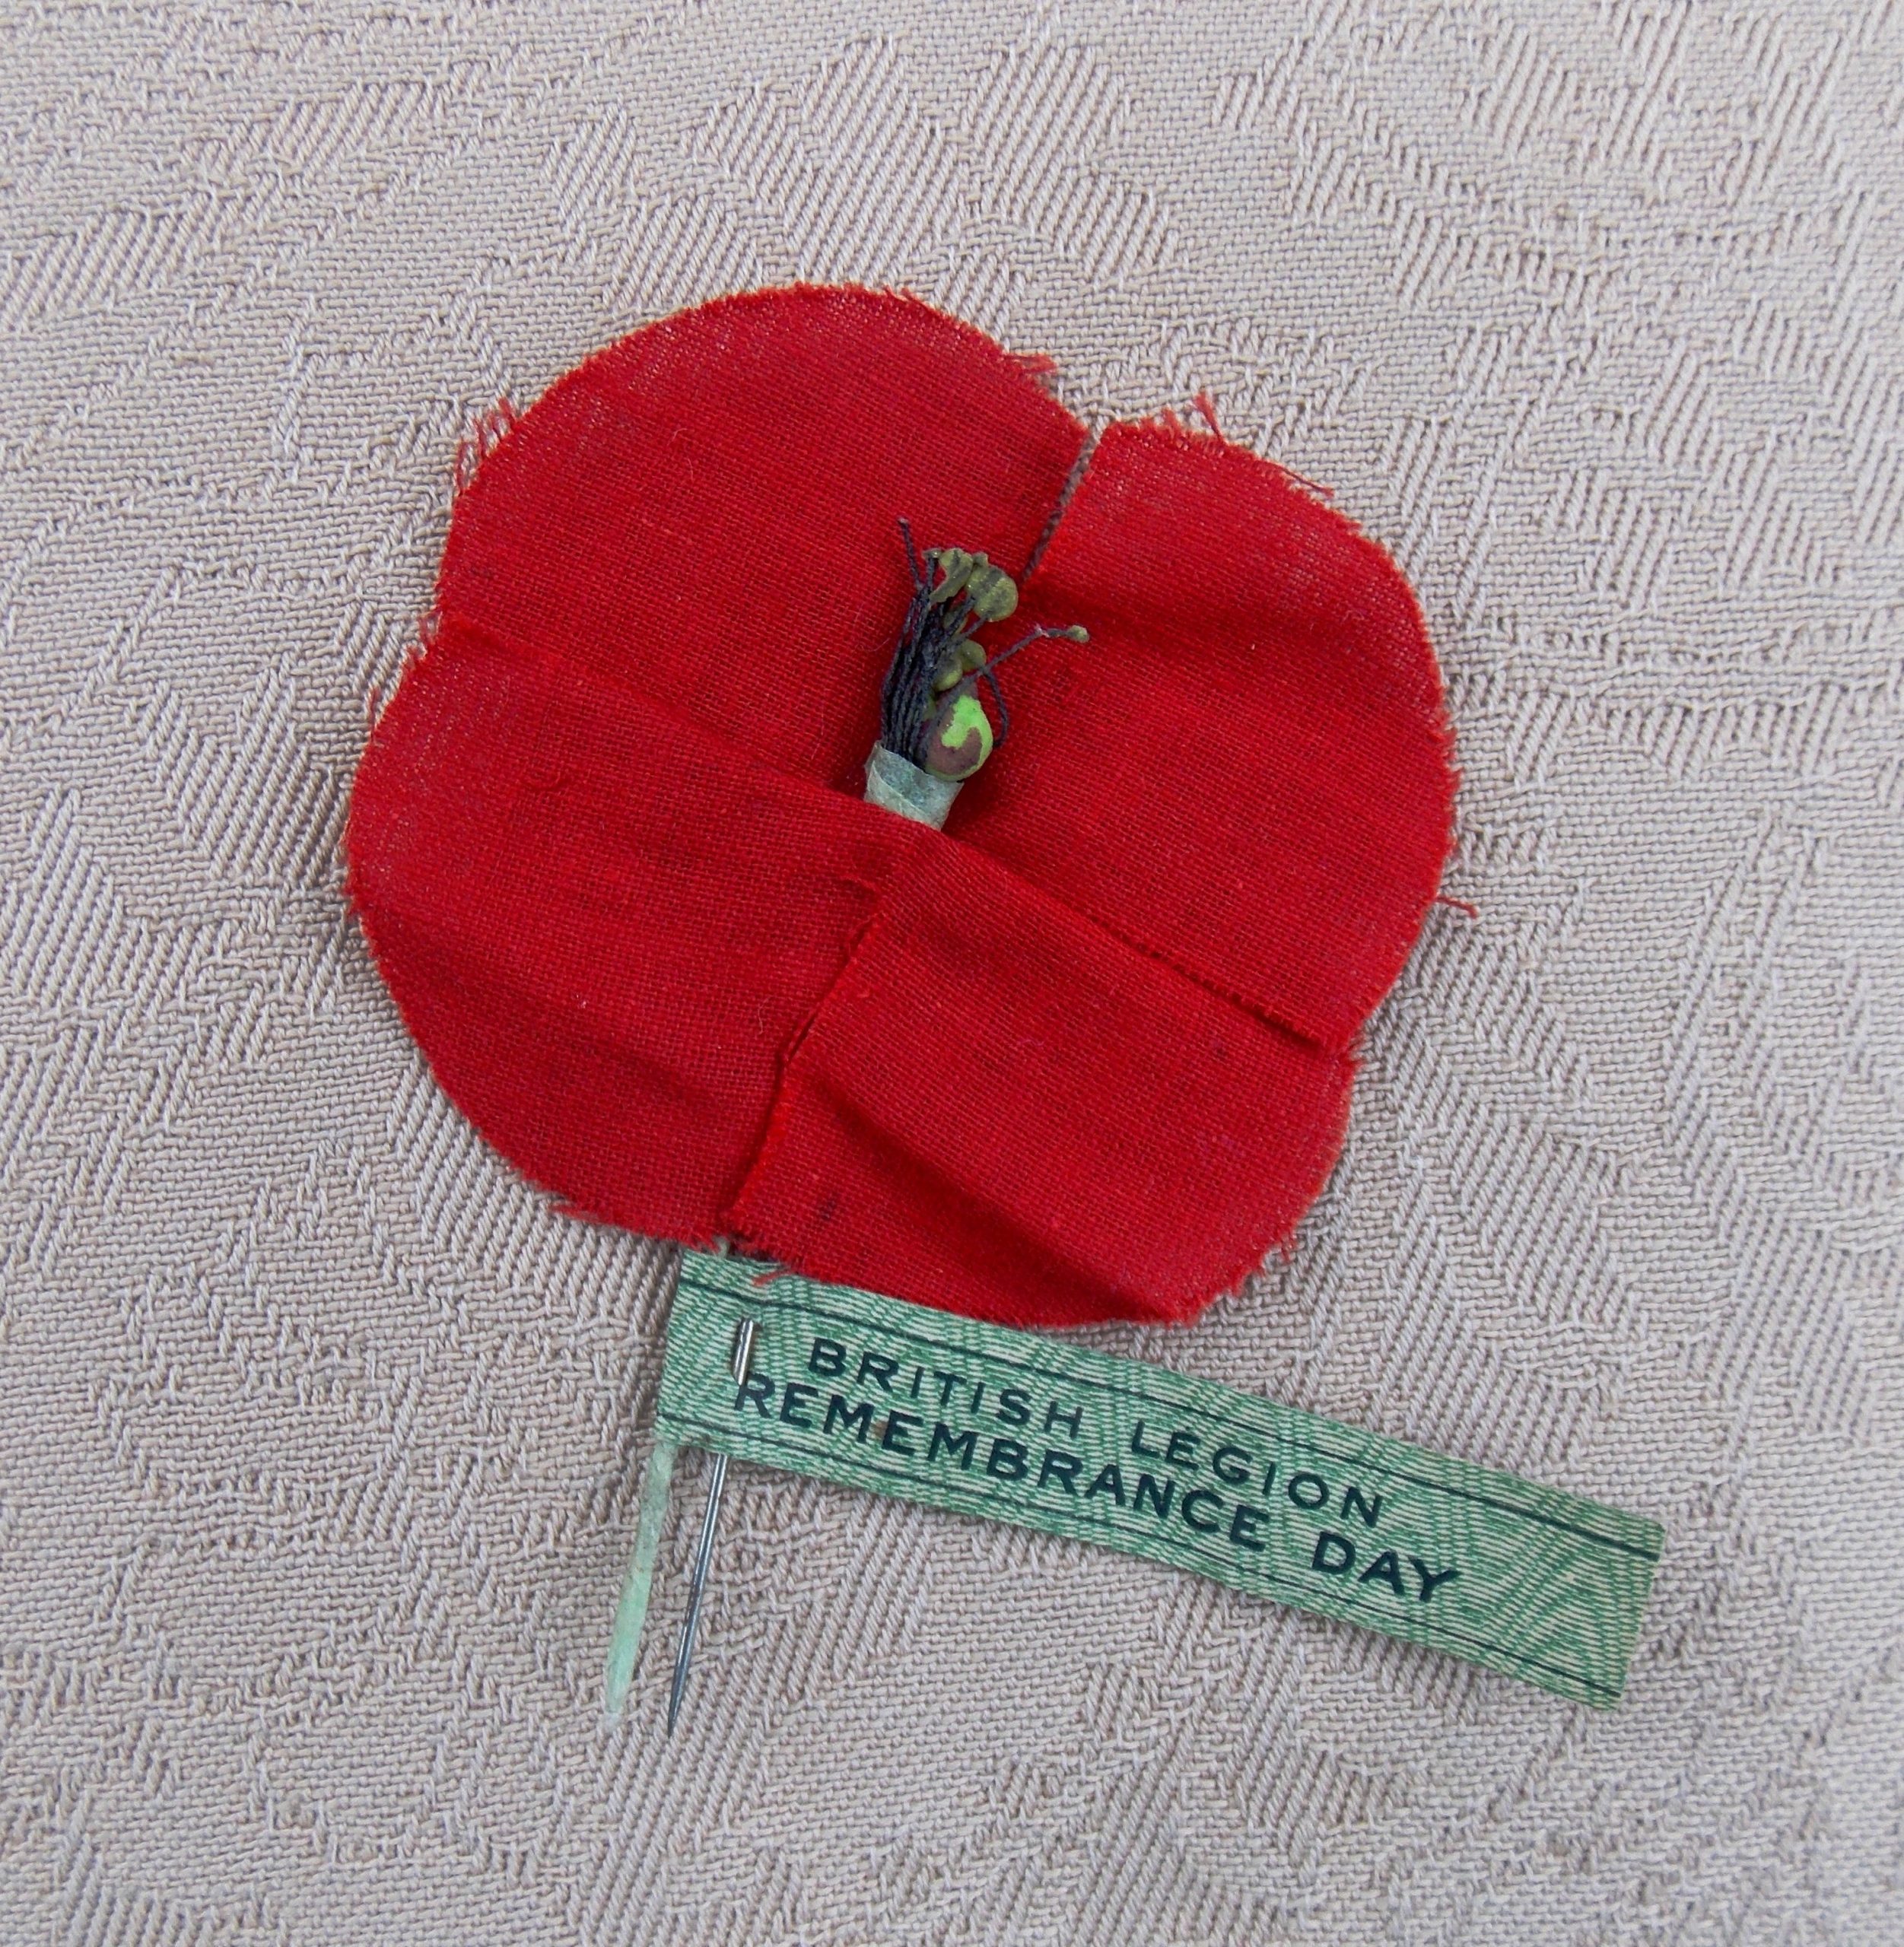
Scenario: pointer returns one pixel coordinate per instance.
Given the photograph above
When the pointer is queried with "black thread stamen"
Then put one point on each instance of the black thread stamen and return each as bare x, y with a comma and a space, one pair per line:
933, 631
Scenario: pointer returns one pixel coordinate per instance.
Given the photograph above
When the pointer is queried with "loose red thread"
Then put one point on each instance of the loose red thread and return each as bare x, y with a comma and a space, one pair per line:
491, 428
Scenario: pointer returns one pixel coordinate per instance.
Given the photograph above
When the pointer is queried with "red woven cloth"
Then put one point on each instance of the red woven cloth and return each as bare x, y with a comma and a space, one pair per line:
1085, 1054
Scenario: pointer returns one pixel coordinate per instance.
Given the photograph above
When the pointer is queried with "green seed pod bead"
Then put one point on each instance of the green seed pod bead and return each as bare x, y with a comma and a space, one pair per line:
955, 565
963, 659
958, 737
992, 592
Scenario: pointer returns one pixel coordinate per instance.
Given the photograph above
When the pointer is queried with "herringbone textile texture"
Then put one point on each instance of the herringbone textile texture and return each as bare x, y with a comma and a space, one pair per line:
319, 1433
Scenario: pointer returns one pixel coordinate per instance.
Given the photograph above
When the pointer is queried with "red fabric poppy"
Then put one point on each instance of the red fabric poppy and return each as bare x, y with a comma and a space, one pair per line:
1085, 1054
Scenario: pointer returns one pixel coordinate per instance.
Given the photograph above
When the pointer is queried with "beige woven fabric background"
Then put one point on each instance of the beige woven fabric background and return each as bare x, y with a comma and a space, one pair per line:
319, 1432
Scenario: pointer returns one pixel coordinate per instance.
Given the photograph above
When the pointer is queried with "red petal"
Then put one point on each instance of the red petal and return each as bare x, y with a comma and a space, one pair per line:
1245, 770
1002, 1111
710, 508
602, 925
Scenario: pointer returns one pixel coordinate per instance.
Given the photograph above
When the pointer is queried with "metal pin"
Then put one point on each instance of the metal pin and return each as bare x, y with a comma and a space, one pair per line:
703, 1553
